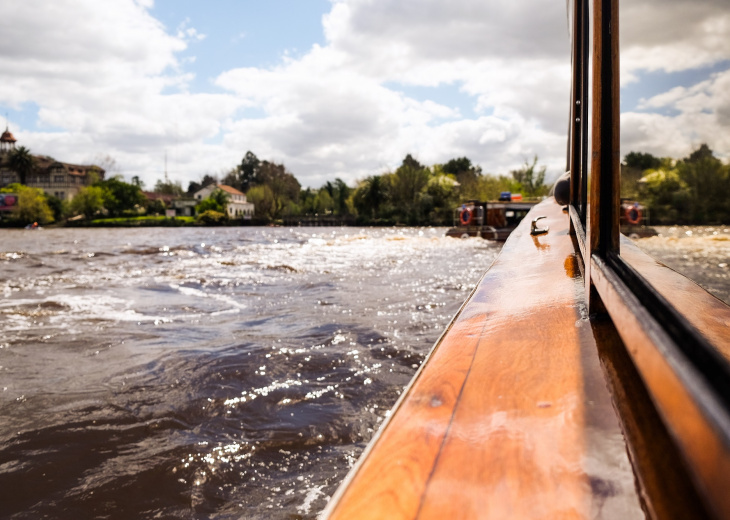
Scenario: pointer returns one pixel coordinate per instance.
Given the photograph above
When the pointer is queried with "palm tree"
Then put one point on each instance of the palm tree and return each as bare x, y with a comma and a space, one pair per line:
22, 162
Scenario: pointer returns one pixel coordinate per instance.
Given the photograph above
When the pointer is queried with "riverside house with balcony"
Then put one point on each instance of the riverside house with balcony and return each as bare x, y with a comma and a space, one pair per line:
63, 180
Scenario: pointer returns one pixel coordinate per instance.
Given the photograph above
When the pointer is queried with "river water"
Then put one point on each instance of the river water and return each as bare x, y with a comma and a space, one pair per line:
209, 373
699, 252
228, 372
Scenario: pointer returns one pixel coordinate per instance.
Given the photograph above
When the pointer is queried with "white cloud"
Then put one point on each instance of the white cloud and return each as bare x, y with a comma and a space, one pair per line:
673, 35
700, 114
108, 78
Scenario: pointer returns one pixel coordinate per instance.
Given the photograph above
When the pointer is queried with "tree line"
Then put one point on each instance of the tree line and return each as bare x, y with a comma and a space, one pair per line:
412, 194
693, 190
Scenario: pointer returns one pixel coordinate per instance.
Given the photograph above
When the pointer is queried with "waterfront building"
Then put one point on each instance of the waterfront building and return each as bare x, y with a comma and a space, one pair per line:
63, 180
238, 205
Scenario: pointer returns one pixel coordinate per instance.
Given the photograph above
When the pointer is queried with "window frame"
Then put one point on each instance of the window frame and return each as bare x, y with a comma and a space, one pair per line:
672, 356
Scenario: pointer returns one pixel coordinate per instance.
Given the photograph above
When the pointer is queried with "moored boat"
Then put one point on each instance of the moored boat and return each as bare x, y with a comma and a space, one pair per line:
634, 220
493, 220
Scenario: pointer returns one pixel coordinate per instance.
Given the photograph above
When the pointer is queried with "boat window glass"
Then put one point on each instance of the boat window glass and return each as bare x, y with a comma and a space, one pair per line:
580, 114
693, 348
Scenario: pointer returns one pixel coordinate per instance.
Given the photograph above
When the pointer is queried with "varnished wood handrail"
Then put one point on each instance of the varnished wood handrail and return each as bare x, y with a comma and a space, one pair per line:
511, 409
693, 409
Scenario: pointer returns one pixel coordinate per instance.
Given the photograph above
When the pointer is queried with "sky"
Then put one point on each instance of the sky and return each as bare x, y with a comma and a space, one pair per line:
344, 88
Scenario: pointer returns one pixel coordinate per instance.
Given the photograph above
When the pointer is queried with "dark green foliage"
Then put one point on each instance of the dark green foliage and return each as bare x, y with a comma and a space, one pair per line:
155, 207
212, 218
169, 188
407, 188
89, 201
217, 201
31, 206
642, 161
276, 191
248, 171
694, 190
22, 162
531, 180
193, 187
121, 197
58, 207
370, 196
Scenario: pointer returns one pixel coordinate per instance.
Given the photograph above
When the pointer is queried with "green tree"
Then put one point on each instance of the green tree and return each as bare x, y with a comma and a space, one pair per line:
211, 217
22, 162
632, 171
169, 188
193, 186
465, 173
263, 199
89, 201
699, 155
323, 202
32, 206
121, 196
58, 207
370, 196
343, 192
406, 187
489, 187
217, 201
708, 186
666, 194
232, 178
248, 171
283, 187
442, 190
530, 179
642, 161
136, 181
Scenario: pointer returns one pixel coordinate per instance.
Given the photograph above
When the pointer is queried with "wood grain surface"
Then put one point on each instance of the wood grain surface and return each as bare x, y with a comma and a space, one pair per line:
686, 407
510, 417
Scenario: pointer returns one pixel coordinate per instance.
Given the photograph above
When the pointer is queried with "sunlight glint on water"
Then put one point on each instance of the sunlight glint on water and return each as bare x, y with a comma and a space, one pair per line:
210, 372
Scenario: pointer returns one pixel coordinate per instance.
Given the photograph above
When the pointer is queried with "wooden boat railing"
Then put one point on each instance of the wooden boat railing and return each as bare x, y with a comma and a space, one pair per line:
574, 350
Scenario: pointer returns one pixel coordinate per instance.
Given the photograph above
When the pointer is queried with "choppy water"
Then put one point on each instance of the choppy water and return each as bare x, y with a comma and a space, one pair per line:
198, 373
227, 373
699, 252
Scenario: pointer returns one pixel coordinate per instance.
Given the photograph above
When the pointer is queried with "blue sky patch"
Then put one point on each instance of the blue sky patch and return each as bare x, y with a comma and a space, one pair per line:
657, 82
242, 33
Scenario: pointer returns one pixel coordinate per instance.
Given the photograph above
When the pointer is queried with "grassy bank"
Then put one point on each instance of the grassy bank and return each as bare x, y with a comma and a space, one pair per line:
145, 221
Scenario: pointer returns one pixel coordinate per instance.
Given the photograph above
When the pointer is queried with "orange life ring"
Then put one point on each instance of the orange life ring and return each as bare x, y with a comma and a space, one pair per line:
633, 215
465, 217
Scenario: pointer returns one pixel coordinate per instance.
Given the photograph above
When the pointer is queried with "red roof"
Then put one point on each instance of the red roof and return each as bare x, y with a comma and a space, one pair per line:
164, 197
7, 137
229, 189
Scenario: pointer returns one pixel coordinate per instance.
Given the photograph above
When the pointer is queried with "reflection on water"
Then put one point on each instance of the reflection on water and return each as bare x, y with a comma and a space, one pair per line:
701, 253
200, 373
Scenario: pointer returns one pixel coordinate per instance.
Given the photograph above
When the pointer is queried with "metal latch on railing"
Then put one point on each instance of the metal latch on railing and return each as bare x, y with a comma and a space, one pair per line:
534, 230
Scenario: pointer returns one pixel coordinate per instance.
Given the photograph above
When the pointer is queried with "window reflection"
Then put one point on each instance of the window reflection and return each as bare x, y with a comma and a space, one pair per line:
674, 127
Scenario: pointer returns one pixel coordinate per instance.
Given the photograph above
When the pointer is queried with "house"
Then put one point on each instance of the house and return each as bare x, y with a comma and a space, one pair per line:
238, 207
63, 180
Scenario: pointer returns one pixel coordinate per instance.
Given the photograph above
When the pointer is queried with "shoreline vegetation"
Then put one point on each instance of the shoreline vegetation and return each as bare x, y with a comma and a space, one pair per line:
693, 190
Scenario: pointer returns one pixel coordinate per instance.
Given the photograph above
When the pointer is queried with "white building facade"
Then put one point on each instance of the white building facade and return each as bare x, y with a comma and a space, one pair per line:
238, 206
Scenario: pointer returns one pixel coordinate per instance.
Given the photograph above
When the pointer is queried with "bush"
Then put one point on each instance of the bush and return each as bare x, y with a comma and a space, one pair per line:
212, 218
